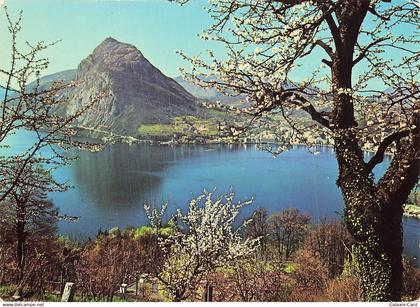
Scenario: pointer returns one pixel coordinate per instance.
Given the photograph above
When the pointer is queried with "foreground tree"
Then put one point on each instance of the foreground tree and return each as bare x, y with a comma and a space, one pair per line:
203, 239
258, 228
368, 45
27, 213
29, 219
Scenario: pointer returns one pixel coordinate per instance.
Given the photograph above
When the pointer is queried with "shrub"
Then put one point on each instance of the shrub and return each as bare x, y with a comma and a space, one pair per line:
310, 277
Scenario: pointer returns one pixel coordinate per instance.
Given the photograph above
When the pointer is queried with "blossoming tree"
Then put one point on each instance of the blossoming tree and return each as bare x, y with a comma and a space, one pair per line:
364, 94
203, 239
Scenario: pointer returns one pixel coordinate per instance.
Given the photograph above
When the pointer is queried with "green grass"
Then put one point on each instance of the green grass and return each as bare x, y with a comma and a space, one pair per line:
159, 129
179, 125
8, 290
50, 297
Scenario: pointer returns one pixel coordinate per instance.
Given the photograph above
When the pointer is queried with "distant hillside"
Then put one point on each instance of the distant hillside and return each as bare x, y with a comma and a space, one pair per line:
208, 94
11, 92
65, 76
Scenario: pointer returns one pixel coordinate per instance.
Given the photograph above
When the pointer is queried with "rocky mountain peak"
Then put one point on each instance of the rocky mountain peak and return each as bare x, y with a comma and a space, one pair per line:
138, 91
115, 55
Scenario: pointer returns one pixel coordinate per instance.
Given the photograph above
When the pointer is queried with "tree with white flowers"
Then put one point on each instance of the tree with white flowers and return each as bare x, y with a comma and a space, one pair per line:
26, 105
363, 93
204, 238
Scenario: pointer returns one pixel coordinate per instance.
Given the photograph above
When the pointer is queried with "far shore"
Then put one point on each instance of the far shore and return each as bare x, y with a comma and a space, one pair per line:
112, 138
411, 210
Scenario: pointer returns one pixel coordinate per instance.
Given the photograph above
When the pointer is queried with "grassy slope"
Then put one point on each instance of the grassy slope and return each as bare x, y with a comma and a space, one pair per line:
206, 125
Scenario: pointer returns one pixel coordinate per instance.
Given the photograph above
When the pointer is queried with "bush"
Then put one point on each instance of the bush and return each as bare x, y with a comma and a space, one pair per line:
251, 280
310, 277
343, 289
106, 263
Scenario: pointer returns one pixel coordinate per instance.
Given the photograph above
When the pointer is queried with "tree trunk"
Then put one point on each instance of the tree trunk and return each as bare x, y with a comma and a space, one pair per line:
393, 191
362, 218
374, 221
20, 237
392, 238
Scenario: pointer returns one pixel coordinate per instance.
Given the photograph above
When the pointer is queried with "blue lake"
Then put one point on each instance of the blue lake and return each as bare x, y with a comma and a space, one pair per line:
110, 187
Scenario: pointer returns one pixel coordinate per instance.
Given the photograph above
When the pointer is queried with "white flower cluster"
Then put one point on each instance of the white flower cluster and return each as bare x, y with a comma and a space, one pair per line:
203, 239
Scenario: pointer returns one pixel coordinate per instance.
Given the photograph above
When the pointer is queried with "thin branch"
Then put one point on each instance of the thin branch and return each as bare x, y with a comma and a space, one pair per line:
365, 50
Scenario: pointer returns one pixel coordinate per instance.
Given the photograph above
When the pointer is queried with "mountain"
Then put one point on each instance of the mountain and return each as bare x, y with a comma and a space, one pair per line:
65, 76
11, 93
208, 94
213, 95
137, 92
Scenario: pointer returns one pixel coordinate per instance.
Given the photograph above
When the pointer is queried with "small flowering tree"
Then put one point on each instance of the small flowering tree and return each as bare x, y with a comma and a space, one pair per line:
26, 176
25, 106
363, 93
203, 239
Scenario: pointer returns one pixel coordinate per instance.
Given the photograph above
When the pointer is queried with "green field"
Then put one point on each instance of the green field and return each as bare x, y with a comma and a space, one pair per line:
206, 127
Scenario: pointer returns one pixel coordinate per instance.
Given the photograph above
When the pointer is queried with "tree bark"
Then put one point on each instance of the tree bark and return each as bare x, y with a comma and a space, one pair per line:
20, 237
373, 212
375, 224
362, 218
393, 191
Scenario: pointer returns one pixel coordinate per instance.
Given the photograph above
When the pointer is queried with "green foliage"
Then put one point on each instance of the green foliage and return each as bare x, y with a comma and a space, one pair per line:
350, 267
66, 242
144, 231
288, 268
181, 125
412, 210
414, 199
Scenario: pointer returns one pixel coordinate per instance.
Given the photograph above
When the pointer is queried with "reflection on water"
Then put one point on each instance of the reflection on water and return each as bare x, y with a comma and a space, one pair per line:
117, 176
110, 187
122, 175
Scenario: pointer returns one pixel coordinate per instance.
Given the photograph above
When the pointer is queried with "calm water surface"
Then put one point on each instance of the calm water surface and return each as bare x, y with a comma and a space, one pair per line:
110, 187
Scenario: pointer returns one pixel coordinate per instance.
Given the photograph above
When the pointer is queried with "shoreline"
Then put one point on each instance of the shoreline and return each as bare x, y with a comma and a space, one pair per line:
111, 138
412, 211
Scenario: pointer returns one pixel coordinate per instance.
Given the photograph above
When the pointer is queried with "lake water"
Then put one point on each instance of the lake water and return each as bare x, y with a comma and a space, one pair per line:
110, 187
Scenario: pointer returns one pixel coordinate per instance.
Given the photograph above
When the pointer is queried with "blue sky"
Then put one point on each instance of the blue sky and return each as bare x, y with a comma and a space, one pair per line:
157, 27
